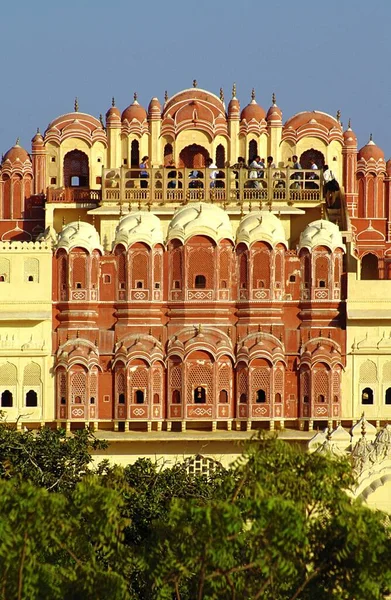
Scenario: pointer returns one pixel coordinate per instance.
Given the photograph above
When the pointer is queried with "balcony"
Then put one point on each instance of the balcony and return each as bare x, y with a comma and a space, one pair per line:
70, 195
223, 186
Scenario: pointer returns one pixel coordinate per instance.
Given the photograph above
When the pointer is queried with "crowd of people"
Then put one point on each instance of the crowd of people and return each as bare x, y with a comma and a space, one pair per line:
259, 170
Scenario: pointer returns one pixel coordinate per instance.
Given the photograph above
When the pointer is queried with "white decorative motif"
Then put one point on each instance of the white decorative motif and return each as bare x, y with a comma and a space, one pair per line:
79, 295
321, 410
156, 411
77, 412
321, 294
260, 294
260, 410
202, 412
200, 295
139, 295
138, 412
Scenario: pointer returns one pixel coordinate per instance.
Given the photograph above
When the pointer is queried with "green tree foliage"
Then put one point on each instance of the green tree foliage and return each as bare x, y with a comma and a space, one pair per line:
277, 525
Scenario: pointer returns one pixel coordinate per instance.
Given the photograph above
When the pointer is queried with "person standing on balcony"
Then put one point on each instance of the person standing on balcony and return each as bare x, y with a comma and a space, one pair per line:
256, 167
297, 167
212, 173
144, 165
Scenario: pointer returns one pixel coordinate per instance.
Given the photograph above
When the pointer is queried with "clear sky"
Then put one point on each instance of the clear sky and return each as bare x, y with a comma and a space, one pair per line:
314, 55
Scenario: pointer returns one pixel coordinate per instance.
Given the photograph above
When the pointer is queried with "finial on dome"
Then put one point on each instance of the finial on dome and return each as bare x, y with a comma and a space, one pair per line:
273, 99
195, 84
321, 214
253, 95
101, 120
63, 220
165, 96
93, 220
222, 94
17, 141
78, 223
349, 124
38, 130
113, 101
338, 115
234, 90
76, 105
370, 137
363, 428
135, 96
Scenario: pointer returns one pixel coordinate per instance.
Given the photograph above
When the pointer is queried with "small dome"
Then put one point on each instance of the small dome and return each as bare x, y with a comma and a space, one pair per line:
113, 114
349, 137
321, 233
371, 151
199, 218
313, 117
16, 153
261, 226
234, 108
37, 140
154, 108
134, 111
79, 234
139, 226
253, 111
274, 113
363, 426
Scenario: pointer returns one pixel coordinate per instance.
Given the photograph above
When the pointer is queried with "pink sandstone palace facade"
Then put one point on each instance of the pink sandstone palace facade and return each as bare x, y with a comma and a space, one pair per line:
188, 293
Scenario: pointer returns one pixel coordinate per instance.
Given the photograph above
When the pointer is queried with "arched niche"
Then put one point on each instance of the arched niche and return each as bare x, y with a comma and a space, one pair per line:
193, 157
76, 169
369, 267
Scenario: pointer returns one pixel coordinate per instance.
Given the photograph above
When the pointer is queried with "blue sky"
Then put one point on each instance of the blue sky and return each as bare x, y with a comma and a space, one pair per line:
323, 56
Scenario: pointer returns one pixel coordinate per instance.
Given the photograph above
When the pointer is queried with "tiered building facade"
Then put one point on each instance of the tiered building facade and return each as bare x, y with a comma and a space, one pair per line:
183, 295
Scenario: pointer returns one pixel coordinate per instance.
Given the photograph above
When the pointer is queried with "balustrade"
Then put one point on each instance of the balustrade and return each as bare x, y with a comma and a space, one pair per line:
224, 186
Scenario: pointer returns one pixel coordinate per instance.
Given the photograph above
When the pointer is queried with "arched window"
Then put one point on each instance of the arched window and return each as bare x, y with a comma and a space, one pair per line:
77, 400
176, 397
6, 399
121, 399
369, 267
200, 282
220, 156
243, 399
134, 154
388, 396
76, 169
168, 154
252, 150
139, 397
63, 400
223, 396
31, 398
306, 399
321, 398
367, 396
277, 398
156, 398
92, 400
260, 396
199, 395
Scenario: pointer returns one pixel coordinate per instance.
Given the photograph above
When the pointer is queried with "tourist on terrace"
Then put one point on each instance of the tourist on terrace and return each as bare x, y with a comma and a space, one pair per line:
144, 173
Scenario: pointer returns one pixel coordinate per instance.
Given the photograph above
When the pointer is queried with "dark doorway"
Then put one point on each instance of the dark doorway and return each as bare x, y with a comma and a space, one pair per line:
31, 398
223, 396
139, 397
76, 170
193, 157
367, 396
261, 396
388, 396
176, 397
315, 155
6, 399
369, 267
199, 395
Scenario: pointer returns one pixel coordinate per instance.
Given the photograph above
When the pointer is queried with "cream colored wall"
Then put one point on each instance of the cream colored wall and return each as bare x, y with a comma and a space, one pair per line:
26, 325
189, 137
368, 338
56, 169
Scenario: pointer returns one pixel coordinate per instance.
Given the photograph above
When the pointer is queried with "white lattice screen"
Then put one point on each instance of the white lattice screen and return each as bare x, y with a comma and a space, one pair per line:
62, 384
78, 386
321, 384
32, 374
8, 374
93, 384
260, 380
139, 380
225, 378
279, 382
200, 375
31, 269
336, 384
387, 371
368, 372
5, 268
176, 377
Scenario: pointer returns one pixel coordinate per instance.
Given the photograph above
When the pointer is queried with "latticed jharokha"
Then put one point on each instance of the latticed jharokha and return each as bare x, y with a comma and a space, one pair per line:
195, 263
